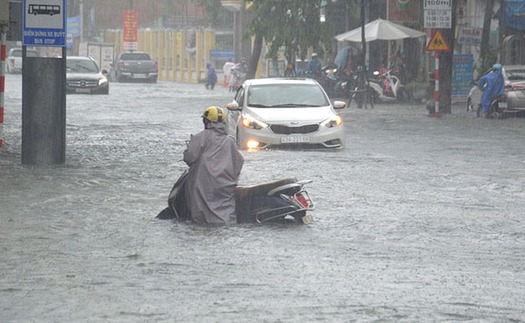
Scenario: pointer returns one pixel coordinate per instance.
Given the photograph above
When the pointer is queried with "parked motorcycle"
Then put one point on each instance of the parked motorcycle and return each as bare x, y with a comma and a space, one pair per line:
387, 88
276, 201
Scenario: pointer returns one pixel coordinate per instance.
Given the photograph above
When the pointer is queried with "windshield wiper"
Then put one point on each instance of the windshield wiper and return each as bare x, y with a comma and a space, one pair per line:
258, 105
294, 105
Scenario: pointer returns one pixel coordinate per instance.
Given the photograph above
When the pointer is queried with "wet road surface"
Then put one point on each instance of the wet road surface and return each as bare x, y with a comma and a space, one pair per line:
417, 220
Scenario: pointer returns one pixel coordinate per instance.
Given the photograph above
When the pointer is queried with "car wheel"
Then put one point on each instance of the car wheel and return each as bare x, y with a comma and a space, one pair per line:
470, 106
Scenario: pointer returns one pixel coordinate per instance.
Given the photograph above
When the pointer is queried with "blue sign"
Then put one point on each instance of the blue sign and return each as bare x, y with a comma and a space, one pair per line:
73, 26
462, 74
221, 54
44, 23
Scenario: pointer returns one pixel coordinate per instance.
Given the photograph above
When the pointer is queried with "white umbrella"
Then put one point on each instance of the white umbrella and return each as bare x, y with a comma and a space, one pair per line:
380, 29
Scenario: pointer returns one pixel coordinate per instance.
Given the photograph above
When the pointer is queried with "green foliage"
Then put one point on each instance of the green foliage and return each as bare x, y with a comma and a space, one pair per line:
490, 59
290, 24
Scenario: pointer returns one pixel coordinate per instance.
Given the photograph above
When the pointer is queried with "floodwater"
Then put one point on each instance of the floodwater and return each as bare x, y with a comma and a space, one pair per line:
416, 220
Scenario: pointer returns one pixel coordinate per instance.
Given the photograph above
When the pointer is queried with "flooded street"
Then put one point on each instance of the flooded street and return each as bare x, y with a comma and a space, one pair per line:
416, 220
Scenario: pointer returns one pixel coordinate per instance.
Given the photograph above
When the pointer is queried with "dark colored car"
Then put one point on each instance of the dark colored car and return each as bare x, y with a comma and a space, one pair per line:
135, 66
84, 76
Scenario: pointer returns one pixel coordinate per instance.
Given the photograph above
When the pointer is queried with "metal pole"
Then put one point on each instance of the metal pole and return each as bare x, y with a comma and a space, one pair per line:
3, 42
81, 14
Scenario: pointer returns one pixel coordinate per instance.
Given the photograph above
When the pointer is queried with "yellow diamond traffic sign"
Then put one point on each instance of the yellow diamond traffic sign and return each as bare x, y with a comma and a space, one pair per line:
438, 43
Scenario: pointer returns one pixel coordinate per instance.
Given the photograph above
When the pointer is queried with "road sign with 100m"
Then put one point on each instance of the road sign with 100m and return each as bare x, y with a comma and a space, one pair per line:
44, 23
437, 13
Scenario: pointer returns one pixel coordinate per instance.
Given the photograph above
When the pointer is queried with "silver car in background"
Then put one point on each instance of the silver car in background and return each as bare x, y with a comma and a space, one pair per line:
514, 97
284, 112
84, 76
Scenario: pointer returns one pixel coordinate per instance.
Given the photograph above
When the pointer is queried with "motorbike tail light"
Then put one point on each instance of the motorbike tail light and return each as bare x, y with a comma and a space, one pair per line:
517, 87
301, 199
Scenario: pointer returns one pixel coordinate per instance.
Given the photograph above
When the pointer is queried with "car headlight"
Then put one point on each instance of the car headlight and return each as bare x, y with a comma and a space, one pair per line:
102, 81
332, 122
251, 123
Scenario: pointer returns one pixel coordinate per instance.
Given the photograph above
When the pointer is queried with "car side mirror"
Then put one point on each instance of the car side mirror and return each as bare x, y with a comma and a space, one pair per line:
339, 105
233, 106
104, 72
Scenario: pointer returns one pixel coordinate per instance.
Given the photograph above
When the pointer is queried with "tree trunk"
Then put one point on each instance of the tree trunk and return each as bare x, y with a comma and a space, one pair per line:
485, 36
254, 58
445, 66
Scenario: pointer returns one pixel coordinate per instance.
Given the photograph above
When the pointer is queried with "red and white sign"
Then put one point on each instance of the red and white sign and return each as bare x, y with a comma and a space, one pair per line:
130, 22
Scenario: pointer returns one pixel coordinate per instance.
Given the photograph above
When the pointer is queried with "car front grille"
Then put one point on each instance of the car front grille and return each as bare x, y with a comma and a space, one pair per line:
82, 83
286, 130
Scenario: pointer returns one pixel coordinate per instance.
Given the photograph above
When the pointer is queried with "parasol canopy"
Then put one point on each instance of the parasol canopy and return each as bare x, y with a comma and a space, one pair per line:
380, 29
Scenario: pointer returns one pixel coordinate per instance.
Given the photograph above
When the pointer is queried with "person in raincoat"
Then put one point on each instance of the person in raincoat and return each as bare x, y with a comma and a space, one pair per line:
314, 66
215, 165
211, 78
493, 85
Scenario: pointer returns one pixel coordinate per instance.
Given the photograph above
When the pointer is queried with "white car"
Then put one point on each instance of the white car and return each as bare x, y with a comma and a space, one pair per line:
284, 112
514, 97
14, 59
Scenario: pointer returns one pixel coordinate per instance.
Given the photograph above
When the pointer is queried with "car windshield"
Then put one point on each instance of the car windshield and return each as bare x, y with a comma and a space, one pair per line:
81, 66
515, 75
286, 96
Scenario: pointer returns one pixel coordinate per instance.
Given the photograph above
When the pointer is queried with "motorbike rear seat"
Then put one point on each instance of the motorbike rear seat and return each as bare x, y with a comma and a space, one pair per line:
242, 192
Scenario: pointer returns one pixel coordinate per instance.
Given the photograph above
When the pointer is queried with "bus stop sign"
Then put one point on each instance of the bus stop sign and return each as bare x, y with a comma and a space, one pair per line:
44, 23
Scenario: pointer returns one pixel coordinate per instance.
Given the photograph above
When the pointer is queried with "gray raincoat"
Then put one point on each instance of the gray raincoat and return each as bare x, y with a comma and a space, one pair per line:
215, 165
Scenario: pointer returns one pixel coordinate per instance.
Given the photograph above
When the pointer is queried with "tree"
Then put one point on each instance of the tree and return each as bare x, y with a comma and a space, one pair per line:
291, 25
489, 6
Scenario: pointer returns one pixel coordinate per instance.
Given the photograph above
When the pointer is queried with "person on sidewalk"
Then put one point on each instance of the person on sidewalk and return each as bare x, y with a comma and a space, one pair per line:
227, 72
211, 79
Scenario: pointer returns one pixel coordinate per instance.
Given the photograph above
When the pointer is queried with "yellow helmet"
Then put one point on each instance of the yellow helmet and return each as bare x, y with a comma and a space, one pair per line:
214, 114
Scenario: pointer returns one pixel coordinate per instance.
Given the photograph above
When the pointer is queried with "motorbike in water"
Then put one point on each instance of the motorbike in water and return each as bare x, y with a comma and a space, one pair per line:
387, 88
277, 201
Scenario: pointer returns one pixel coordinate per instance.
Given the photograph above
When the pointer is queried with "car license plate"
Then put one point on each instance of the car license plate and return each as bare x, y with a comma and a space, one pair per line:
295, 139
83, 90
139, 76
308, 219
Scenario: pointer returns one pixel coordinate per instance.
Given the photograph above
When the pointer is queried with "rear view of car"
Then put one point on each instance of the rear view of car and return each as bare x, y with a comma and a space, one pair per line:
286, 113
513, 101
84, 76
14, 59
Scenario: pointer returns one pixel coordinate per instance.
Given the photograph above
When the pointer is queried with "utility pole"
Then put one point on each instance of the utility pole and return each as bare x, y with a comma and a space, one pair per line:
486, 31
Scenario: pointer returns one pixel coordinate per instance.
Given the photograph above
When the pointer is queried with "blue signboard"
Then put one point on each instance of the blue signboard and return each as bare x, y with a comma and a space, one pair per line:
221, 54
73, 26
463, 72
44, 23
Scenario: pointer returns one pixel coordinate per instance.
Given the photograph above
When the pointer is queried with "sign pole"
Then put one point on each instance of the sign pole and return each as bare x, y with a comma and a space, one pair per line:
3, 42
436, 87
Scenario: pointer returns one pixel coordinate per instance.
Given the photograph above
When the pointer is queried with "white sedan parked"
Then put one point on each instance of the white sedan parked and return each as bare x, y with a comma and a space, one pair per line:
284, 112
